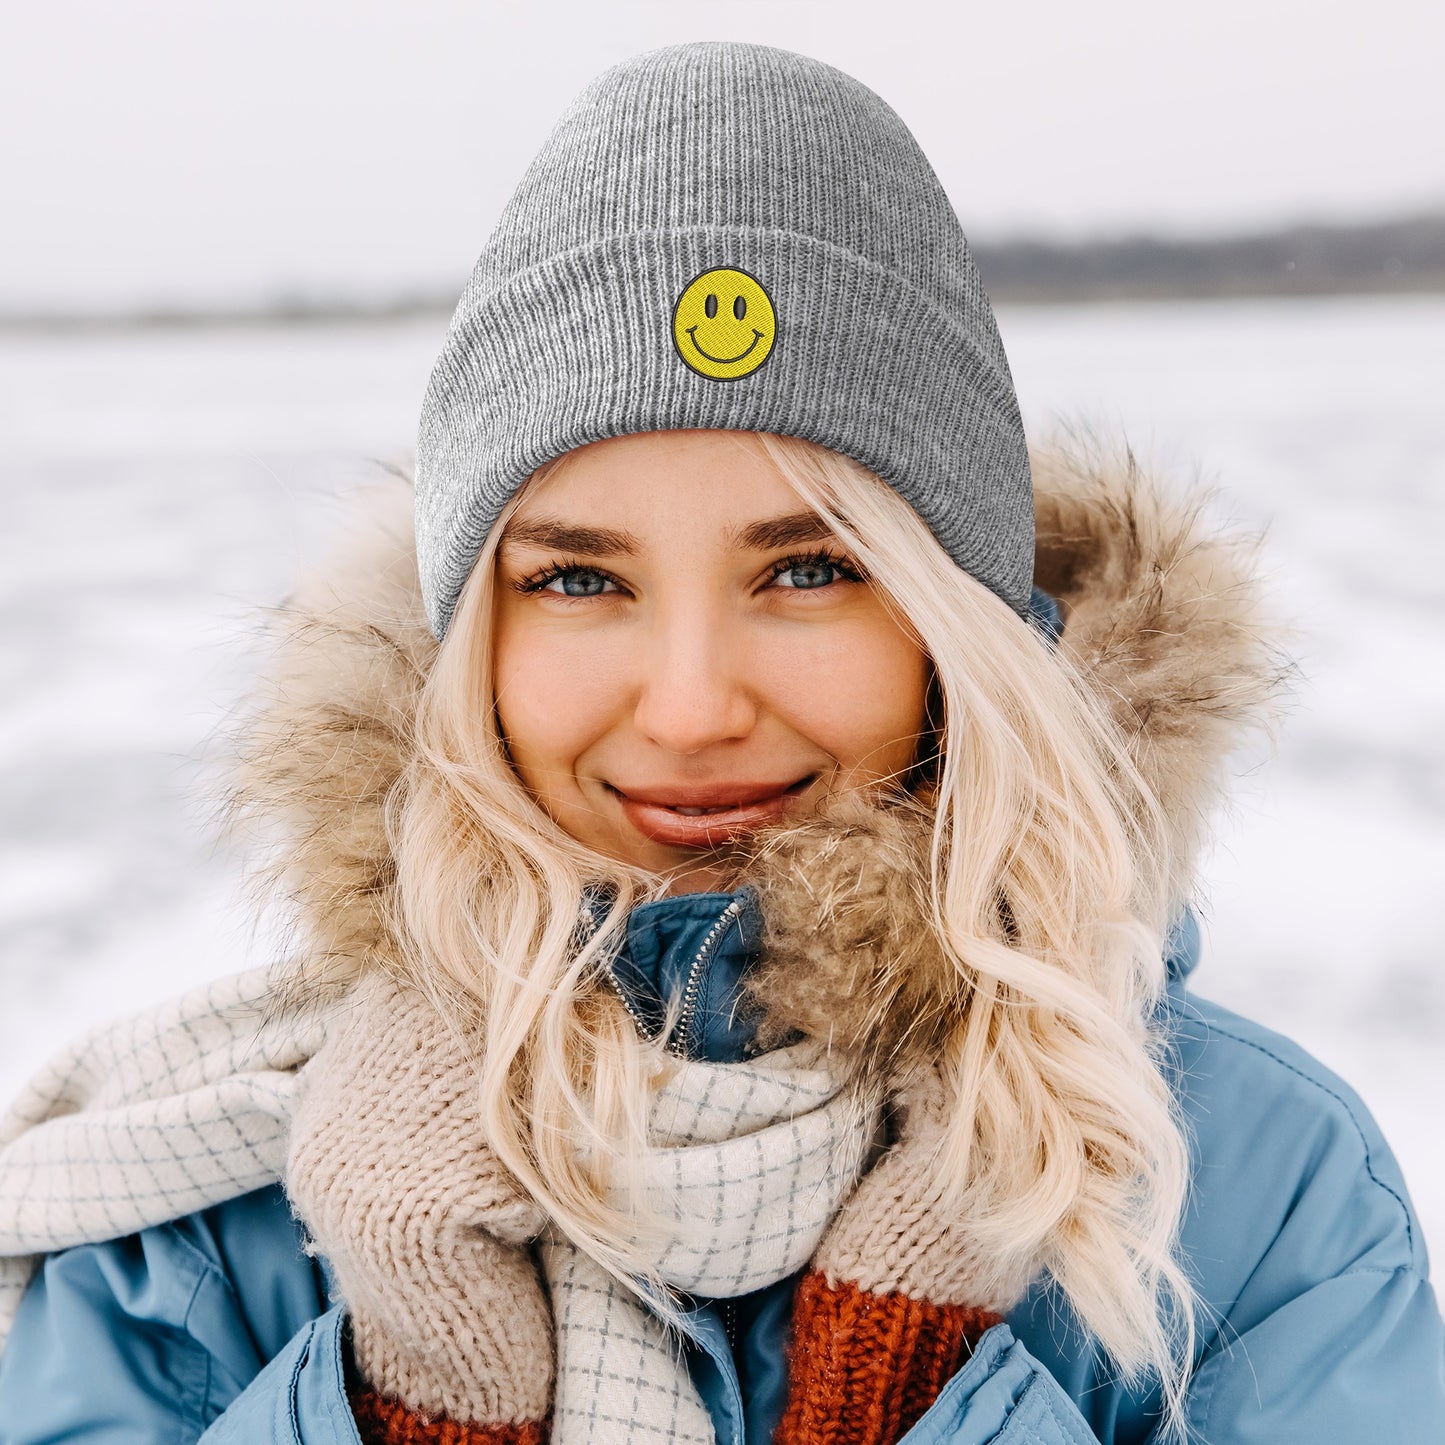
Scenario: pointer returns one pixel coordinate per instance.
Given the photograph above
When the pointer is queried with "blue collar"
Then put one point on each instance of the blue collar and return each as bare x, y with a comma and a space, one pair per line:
694, 948
698, 947
1182, 947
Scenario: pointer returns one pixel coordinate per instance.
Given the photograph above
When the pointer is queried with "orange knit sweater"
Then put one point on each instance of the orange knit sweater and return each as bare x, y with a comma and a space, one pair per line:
862, 1370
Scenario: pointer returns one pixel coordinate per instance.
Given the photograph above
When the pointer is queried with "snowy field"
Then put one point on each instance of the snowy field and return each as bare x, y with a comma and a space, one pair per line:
160, 489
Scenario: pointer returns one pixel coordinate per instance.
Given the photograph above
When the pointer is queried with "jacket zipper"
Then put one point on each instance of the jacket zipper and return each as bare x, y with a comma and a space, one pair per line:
730, 1322
692, 991
643, 1029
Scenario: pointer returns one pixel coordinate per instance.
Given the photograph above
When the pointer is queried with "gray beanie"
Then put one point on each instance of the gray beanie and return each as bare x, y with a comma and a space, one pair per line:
726, 235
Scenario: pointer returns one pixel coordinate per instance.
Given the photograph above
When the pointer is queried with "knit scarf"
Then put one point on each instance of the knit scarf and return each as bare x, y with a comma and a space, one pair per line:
188, 1105
144, 1121
750, 1163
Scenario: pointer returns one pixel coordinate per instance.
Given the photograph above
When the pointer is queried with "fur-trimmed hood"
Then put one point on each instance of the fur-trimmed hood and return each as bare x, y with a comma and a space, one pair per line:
1162, 613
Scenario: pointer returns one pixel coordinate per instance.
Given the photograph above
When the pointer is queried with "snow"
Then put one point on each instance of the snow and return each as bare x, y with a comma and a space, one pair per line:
161, 489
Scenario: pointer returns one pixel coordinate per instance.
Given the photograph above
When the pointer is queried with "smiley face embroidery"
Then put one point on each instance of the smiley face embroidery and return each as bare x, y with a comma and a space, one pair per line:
723, 324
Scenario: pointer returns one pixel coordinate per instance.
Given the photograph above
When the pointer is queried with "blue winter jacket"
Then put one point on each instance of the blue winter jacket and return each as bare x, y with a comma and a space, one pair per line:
1318, 1326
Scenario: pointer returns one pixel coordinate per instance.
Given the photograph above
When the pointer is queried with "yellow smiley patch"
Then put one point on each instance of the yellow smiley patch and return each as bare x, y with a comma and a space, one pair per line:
723, 324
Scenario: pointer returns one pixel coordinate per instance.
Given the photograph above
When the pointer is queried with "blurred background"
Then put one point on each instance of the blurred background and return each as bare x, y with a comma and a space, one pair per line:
232, 235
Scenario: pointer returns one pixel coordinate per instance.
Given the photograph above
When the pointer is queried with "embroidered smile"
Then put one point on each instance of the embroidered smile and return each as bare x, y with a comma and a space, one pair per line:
723, 360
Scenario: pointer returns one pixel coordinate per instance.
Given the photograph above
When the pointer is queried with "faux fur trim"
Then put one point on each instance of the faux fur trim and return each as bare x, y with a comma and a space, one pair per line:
1165, 615
1162, 612
328, 735
843, 956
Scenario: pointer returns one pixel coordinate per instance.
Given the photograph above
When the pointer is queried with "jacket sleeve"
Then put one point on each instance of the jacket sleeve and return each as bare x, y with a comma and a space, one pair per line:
1002, 1396
1317, 1320
300, 1396
1358, 1359
166, 1335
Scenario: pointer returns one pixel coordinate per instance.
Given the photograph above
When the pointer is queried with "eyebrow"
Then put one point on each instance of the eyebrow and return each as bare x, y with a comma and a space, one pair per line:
551, 533
791, 531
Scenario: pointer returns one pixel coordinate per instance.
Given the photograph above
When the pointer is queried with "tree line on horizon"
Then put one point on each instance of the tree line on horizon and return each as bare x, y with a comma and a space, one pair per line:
1402, 255
1395, 256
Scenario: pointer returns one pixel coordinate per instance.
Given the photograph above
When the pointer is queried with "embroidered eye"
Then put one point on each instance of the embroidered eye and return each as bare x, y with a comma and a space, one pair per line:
710, 306
740, 308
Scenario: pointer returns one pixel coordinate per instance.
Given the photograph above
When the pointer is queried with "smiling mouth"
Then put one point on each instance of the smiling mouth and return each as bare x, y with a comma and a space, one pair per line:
723, 360
707, 817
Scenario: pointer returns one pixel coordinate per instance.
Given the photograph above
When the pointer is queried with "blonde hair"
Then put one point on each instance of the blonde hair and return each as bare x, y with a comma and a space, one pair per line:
1050, 893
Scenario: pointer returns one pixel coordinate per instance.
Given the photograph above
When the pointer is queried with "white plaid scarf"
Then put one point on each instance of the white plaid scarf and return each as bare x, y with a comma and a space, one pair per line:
752, 1162
188, 1105
144, 1121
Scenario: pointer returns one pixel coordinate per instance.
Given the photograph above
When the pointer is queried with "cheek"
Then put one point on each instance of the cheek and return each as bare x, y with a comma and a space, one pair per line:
862, 697
554, 698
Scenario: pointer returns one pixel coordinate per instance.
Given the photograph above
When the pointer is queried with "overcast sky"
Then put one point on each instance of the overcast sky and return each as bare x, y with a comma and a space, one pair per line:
207, 152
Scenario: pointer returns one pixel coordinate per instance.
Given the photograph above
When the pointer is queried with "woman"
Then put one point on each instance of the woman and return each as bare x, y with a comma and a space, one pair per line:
743, 993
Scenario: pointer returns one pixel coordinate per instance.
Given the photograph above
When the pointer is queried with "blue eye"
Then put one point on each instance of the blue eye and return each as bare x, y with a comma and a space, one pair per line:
804, 576
577, 582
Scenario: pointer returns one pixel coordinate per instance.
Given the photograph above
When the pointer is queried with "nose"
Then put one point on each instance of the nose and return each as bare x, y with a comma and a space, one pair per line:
694, 691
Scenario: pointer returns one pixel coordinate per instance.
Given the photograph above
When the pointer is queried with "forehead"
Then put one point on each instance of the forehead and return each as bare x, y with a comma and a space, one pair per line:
660, 480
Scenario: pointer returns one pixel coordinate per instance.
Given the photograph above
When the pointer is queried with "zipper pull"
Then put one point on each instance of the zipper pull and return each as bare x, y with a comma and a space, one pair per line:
729, 1313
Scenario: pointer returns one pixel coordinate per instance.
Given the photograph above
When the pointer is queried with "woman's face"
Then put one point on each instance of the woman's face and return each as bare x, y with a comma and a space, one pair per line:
684, 652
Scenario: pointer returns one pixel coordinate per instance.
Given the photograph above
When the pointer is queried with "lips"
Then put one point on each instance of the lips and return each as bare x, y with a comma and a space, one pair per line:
706, 815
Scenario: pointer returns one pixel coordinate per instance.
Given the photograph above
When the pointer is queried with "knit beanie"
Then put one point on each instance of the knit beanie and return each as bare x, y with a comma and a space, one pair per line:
721, 235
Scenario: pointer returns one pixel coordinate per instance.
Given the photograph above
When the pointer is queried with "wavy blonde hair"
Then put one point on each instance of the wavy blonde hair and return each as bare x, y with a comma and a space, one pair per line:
1049, 894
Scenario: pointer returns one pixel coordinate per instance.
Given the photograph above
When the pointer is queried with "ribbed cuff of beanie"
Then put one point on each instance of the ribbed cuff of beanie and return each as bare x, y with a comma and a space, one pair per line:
864, 1368
383, 1421
864, 364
